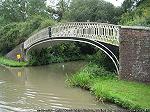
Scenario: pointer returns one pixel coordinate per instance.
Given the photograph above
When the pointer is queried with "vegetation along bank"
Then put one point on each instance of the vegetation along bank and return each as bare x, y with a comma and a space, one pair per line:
8, 62
106, 86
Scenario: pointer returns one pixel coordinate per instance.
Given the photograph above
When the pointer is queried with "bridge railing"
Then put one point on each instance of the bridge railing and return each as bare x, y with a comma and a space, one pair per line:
42, 34
103, 32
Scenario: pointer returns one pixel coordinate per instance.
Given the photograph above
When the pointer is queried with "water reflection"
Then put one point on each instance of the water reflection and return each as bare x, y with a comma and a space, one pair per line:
43, 88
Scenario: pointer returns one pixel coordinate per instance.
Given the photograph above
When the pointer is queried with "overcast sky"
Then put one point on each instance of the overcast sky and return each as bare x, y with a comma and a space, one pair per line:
115, 2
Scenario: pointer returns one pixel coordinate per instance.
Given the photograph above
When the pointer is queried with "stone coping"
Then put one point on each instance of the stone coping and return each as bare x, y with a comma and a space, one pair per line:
136, 27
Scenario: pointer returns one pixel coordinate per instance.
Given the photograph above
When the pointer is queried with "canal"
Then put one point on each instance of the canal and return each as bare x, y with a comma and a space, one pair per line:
44, 87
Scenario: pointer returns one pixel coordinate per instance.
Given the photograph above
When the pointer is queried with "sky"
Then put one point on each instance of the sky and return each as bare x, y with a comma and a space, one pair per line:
115, 2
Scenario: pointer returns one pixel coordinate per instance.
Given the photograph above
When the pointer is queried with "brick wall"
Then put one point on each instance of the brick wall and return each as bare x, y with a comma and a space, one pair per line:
18, 50
135, 54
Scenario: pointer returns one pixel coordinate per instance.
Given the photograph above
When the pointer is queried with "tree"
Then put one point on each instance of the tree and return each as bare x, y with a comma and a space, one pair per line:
129, 5
36, 7
139, 14
11, 10
19, 18
93, 10
62, 7
20, 10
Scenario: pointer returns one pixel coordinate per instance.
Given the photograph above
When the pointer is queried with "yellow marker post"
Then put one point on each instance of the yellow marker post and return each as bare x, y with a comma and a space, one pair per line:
19, 74
19, 57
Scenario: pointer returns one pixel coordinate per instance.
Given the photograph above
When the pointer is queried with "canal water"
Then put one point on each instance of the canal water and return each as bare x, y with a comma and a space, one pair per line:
43, 87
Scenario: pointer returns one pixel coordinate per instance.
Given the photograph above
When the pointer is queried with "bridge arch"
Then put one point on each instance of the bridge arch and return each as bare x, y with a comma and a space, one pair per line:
96, 44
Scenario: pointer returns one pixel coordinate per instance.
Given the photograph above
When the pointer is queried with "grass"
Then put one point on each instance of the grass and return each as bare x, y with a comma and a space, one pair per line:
130, 95
126, 94
8, 62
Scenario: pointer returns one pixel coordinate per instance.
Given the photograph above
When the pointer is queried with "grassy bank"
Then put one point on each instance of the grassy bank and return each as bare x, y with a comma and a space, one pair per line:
11, 63
107, 87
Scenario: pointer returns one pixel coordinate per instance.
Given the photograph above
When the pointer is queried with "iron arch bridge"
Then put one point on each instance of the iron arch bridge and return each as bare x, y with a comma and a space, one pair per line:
100, 35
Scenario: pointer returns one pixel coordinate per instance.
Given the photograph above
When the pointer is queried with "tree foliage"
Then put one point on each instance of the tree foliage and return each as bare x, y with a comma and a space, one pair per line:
129, 5
15, 33
139, 16
58, 53
92, 10
20, 10
62, 7
19, 19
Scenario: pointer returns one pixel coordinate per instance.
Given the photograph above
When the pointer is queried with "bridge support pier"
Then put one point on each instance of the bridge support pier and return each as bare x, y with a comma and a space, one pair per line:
135, 54
18, 50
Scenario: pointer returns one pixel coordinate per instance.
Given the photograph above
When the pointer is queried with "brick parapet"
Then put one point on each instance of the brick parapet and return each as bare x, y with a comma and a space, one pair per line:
134, 54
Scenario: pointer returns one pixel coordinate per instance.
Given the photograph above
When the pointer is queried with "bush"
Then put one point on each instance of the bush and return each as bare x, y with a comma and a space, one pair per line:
101, 59
88, 75
56, 54
37, 57
97, 70
80, 79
